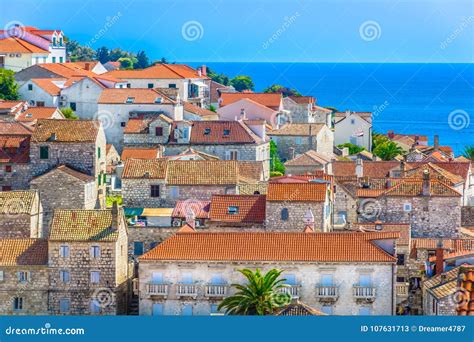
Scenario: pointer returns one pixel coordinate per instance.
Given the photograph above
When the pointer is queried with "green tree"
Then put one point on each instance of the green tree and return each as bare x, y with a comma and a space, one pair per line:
125, 63
142, 60
353, 149
469, 152
387, 150
78, 53
260, 296
275, 161
219, 78
277, 88
8, 85
212, 108
117, 53
242, 82
68, 113
102, 54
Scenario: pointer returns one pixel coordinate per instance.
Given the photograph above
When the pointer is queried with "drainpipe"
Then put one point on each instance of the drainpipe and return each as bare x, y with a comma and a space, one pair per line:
394, 295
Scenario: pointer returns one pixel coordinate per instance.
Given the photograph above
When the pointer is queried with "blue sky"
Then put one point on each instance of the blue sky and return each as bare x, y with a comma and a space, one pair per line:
263, 30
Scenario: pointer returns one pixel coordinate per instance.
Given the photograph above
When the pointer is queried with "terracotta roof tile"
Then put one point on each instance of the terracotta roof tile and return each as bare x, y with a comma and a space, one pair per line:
71, 172
271, 100
296, 129
66, 130
136, 95
248, 208
296, 247
200, 209
23, 252
414, 187
14, 149
82, 225
140, 153
35, 113
402, 228
17, 202
52, 86
466, 284
203, 172
298, 309
14, 128
17, 45
309, 158
188, 107
158, 71
145, 168
298, 192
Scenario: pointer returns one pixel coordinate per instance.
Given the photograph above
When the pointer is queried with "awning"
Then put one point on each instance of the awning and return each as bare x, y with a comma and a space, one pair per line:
158, 212
133, 211
199, 83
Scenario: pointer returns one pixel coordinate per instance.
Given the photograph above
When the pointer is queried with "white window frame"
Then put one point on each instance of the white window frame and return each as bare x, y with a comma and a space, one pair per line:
93, 278
407, 207
95, 252
24, 276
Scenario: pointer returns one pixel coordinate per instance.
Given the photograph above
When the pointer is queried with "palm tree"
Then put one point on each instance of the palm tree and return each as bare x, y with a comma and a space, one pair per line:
260, 296
387, 150
469, 152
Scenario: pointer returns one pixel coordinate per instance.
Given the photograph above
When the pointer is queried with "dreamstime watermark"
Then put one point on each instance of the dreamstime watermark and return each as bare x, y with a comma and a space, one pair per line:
460, 297
106, 118
369, 209
14, 28
456, 32
378, 109
103, 297
370, 30
192, 30
459, 119
282, 297
12, 207
109, 22
47, 329
287, 22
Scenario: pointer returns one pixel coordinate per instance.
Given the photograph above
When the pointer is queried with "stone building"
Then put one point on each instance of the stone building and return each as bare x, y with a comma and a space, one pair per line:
88, 260
431, 207
303, 109
24, 276
14, 156
147, 130
21, 215
308, 163
338, 274
294, 139
78, 144
64, 188
161, 183
288, 203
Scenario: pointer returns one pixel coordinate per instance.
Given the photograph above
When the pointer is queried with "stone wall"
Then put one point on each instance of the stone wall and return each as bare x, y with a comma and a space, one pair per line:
296, 213
18, 179
23, 225
432, 217
344, 202
34, 292
308, 275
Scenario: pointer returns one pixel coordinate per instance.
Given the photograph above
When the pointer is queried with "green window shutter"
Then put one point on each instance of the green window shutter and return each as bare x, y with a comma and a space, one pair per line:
98, 152
99, 178
44, 152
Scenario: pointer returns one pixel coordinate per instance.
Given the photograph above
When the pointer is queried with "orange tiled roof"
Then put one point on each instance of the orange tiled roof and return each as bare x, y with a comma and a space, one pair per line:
158, 71
66, 130
188, 107
300, 192
402, 228
14, 149
140, 153
71, 172
414, 187
296, 129
310, 157
17, 45
298, 309
145, 168
466, 283
453, 255
139, 95
296, 247
35, 113
48, 85
199, 208
271, 100
23, 252
14, 128
17, 202
250, 208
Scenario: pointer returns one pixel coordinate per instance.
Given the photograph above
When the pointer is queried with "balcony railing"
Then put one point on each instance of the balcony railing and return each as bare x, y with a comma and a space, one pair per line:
401, 289
292, 290
327, 292
157, 289
364, 292
186, 290
213, 290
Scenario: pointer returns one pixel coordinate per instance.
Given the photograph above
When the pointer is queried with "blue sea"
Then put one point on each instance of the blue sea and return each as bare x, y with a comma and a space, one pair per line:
423, 99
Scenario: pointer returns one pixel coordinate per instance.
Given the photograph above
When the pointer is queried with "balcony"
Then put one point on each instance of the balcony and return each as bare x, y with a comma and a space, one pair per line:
186, 290
365, 293
401, 289
292, 290
327, 293
157, 289
216, 291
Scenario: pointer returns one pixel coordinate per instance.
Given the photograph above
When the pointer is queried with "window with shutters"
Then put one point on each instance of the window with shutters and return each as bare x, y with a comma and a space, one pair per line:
154, 190
159, 131
44, 152
95, 252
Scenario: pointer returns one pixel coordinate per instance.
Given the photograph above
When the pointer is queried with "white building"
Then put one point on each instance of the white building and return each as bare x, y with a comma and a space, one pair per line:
23, 46
337, 273
354, 128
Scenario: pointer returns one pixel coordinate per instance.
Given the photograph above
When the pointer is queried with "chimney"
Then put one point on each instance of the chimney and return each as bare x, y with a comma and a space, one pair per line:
87, 66
426, 187
436, 142
190, 218
243, 115
199, 72
402, 168
52, 137
348, 112
204, 70
378, 225
390, 134
439, 257
115, 216
359, 169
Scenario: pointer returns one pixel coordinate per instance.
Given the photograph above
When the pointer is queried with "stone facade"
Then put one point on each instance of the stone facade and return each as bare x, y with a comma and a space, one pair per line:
16, 179
18, 223
33, 293
345, 207
307, 276
296, 212
428, 216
